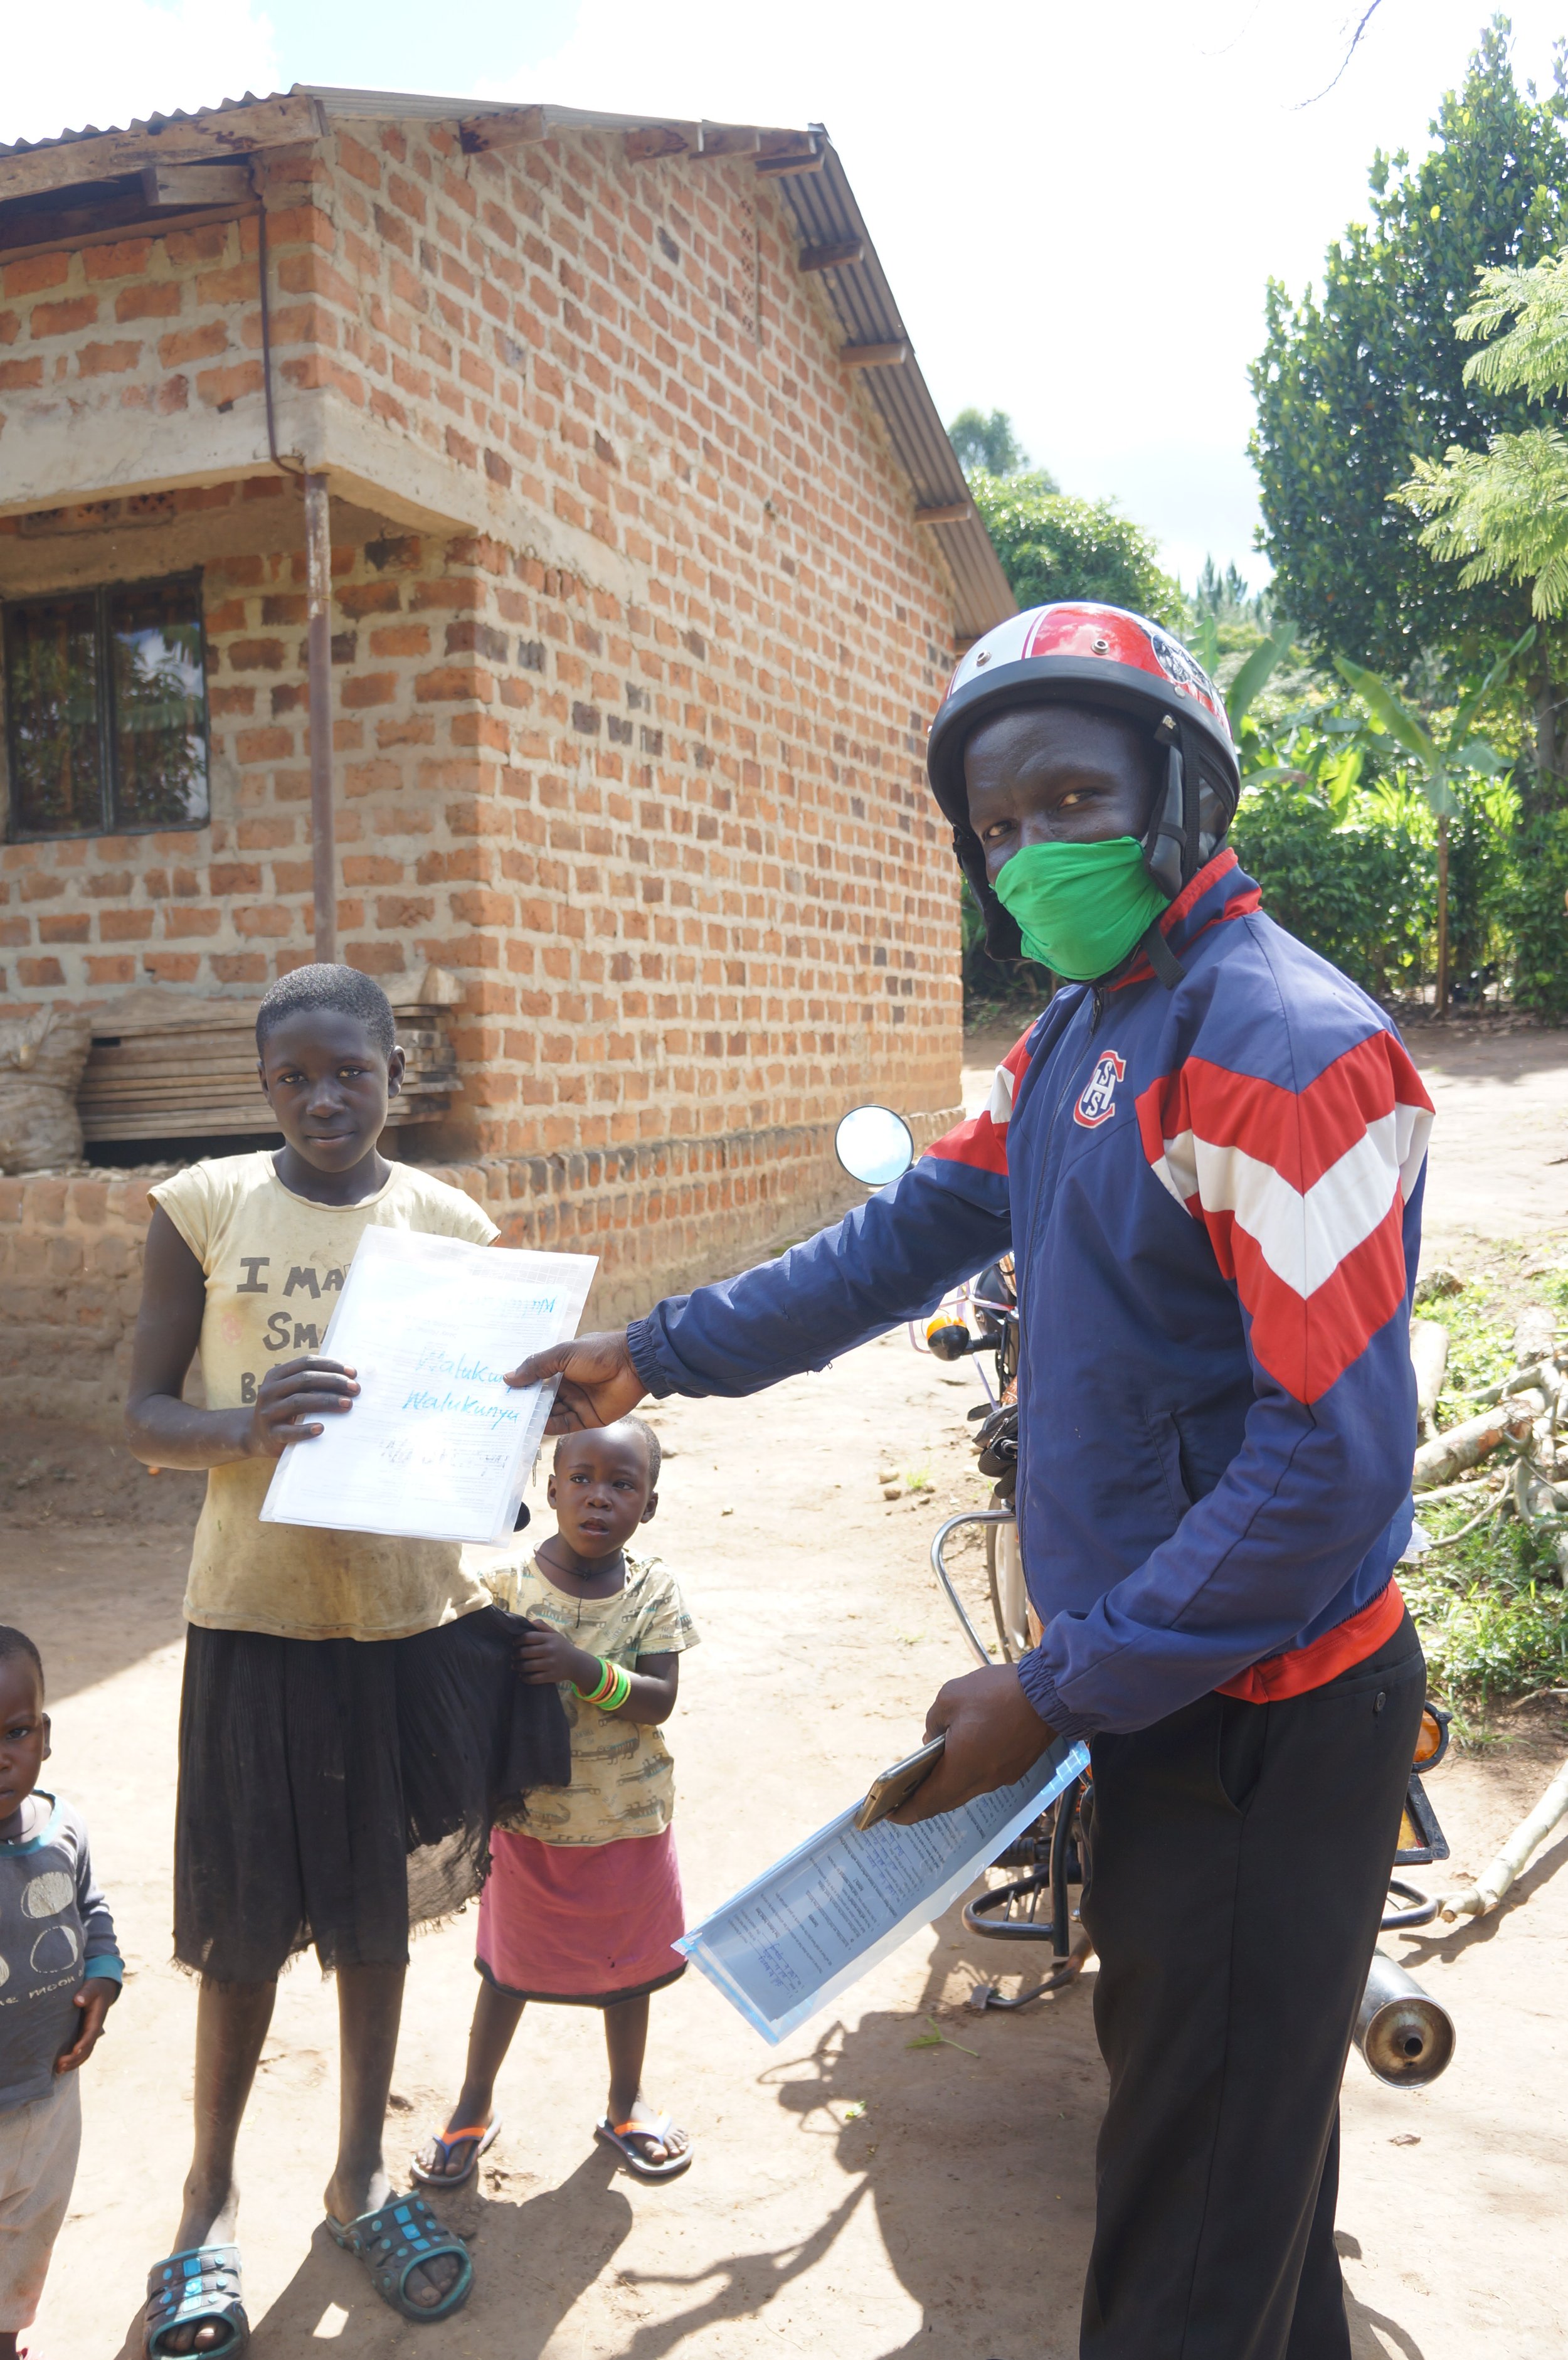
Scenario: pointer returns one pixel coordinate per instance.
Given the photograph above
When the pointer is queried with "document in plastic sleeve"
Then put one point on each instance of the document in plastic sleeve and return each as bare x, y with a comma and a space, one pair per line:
833, 1909
437, 1446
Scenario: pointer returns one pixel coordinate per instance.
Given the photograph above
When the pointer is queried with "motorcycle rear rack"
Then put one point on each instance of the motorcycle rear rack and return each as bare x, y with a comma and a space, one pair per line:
987, 1915
974, 1516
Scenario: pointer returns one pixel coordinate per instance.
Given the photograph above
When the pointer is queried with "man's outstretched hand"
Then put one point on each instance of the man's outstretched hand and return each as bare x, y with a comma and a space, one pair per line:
993, 1736
598, 1382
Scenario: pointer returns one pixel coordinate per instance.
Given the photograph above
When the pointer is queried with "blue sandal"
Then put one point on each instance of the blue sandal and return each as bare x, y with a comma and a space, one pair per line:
394, 2242
480, 2137
199, 2288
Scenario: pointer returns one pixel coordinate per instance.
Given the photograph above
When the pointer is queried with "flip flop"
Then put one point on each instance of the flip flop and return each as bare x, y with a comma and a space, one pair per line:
622, 2136
393, 2241
198, 2288
483, 2135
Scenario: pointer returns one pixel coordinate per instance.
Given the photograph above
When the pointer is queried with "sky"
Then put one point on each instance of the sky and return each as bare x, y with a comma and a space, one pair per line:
1079, 208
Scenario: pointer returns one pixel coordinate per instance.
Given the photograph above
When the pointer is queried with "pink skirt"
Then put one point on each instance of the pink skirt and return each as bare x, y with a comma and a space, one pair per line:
582, 1924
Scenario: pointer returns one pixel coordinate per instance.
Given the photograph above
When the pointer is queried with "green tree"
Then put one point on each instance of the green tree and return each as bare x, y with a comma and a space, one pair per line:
1356, 381
1052, 546
988, 445
1502, 513
1228, 596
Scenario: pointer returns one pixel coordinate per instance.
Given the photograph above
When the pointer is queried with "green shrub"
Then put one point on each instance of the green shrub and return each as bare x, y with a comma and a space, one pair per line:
1490, 1605
1361, 893
1480, 839
1492, 1612
1532, 916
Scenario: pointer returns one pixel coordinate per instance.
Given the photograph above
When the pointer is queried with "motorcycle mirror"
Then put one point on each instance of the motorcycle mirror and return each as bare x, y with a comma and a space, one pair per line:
875, 1145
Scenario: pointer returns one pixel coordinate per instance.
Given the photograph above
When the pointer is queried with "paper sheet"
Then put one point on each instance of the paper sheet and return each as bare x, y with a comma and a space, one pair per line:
830, 1910
437, 1446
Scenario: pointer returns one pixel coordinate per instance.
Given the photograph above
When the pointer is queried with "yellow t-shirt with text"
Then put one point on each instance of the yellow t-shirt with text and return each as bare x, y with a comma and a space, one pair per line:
275, 1265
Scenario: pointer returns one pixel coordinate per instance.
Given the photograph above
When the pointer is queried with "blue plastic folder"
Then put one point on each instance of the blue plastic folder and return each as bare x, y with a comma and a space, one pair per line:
831, 1909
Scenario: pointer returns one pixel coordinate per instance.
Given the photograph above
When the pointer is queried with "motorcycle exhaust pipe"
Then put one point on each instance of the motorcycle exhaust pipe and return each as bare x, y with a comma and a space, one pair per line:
1404, 2036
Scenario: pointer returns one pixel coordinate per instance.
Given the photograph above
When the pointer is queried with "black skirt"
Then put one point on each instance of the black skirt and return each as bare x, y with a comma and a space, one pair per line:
340, 1791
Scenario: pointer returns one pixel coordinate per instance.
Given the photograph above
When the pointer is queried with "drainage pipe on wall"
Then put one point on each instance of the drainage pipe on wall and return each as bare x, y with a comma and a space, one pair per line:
319, 610
319, 614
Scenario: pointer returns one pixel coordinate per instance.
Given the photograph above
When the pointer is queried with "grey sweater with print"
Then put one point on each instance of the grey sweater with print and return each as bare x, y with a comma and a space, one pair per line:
55, 1931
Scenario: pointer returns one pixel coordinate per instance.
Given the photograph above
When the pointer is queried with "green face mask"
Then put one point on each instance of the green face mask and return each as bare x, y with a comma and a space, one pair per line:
1080, 907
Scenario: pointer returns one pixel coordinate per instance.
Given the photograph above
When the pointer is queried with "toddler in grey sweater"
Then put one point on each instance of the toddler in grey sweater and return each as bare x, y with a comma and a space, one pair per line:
59, 1971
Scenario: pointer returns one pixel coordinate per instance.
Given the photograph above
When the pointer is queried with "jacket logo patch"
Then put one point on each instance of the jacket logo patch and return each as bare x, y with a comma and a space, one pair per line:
1098, 1101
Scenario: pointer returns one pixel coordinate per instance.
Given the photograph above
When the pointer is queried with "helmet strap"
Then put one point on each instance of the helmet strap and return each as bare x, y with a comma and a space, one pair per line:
1172, 852
1192, 807
1165, 844
1162, 957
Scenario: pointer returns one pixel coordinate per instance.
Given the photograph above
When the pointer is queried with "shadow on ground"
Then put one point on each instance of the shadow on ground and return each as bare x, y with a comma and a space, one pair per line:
1372, 2336
570, 2235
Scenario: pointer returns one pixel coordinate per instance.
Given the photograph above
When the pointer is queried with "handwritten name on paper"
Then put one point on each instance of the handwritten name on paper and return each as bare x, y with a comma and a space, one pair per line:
451, 1404
467, 1368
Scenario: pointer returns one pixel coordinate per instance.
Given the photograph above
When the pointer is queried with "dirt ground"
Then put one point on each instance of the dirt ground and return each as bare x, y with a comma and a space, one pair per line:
853, 2194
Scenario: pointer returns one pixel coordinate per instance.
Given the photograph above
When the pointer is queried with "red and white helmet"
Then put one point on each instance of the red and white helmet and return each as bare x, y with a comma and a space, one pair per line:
1076, 652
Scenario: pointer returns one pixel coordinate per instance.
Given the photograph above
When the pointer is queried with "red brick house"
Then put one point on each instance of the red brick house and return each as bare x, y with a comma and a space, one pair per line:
647, 559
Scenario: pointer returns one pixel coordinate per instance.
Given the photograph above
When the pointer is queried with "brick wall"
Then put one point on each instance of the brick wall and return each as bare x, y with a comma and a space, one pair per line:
637, 754
658, 1218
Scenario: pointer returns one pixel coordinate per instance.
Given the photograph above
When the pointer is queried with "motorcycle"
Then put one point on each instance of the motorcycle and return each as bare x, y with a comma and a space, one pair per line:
1405, 2037
993, 1298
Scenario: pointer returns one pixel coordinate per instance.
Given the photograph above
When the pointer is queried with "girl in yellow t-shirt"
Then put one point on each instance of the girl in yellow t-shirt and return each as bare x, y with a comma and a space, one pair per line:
582, 1909
351, 1723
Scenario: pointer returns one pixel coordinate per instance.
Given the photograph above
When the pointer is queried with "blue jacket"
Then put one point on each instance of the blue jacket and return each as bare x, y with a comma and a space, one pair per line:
1213, 1195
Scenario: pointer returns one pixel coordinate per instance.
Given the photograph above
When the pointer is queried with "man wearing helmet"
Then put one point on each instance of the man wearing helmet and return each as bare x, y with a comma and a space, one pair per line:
1206, 1158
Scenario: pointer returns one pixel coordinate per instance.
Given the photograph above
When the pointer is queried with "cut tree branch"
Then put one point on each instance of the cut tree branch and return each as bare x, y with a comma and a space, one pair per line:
1476, 1899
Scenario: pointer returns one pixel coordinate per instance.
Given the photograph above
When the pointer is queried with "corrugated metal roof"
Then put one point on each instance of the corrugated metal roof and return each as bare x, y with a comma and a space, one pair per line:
390, 106
394, 105
823, 207
151, 123
826, 213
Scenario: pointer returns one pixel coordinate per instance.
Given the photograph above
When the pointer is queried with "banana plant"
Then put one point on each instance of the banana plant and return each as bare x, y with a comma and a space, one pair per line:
1254, 674
1460, 753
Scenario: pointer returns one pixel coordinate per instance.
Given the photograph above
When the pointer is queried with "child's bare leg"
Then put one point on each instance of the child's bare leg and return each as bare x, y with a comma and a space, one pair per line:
370, 2005
496, 2016
625, 2037
231, 2025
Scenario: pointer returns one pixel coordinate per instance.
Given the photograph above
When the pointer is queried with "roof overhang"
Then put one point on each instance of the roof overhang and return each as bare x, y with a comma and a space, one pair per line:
70, 179
240, 128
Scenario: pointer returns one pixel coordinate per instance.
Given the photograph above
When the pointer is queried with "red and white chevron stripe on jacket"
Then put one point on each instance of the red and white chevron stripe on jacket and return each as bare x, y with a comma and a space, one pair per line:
1303, 1194
981, 1141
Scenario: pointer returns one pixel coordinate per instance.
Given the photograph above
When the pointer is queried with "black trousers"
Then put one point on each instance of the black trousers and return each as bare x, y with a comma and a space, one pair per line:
1238, 1859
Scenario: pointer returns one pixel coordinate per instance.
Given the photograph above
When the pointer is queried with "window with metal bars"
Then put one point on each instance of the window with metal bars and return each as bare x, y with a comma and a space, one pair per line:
107, 711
